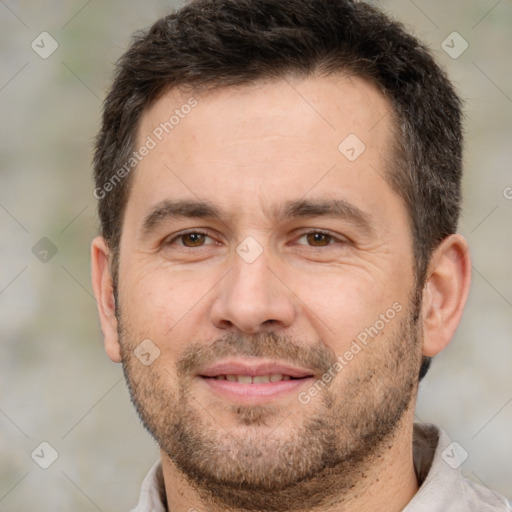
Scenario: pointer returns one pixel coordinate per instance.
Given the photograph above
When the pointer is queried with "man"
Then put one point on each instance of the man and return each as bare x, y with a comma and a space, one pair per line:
279, 189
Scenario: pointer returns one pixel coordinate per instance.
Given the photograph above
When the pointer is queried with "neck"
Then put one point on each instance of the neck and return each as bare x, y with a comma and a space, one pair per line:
386, 483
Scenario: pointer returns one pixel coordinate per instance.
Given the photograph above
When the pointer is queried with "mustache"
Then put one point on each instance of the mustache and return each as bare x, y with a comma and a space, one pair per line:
318, 358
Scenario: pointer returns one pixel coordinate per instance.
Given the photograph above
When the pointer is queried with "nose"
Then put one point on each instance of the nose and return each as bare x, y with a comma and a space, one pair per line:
253, 297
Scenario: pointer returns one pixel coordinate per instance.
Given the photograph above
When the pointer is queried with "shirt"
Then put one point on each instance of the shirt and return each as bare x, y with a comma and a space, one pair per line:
437, 463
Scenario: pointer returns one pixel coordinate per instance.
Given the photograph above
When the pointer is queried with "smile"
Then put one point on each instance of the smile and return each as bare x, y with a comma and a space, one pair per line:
257, 379
253, 381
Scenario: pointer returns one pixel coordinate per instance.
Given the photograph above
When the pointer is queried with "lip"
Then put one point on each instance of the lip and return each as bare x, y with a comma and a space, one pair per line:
257, 392
253, 368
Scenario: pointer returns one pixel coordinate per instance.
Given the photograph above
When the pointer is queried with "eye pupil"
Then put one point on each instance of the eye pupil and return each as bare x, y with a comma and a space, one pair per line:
318, 238
194, 238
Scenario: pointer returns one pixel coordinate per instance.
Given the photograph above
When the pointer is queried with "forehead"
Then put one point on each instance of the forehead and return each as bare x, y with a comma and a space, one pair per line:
255, 143
330, 102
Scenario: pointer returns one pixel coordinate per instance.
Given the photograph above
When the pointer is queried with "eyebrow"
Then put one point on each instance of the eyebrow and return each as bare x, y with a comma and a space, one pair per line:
167, 210
337, 208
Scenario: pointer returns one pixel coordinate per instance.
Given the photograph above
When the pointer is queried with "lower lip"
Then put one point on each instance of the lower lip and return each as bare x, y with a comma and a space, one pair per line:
251, 392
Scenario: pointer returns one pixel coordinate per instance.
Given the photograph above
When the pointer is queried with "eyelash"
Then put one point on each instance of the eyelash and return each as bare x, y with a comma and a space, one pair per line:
200, 232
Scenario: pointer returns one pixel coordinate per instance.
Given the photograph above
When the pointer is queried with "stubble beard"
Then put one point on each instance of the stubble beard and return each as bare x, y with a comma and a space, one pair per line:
278, 460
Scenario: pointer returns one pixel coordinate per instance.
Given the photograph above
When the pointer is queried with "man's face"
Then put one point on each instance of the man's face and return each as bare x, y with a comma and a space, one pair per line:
301, 266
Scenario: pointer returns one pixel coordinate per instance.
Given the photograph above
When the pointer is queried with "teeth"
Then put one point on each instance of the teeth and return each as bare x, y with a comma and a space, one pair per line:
258, 379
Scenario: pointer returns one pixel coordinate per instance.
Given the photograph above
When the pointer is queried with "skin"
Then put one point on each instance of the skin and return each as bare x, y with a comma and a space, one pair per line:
249, 150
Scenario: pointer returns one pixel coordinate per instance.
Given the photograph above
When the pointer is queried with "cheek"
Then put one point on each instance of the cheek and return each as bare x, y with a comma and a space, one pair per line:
343, 306
168, 309
151, 303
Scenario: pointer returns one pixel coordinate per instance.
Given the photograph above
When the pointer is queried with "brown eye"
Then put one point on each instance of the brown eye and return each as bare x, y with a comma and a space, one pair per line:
318, 239
192, 239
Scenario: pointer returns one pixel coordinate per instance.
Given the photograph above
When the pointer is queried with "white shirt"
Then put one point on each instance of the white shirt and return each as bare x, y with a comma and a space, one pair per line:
442, 486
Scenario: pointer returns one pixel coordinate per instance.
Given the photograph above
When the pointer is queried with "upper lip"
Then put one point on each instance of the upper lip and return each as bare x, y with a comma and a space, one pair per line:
254, 368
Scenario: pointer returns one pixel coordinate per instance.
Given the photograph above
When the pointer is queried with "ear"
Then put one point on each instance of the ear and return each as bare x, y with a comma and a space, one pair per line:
445, 293
104, 292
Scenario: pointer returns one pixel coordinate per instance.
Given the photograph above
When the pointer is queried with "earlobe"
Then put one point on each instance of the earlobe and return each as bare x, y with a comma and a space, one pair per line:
445, 293
103, 290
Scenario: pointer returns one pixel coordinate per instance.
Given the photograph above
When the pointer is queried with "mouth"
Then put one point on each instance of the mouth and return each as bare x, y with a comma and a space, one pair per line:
251, 381
256, 379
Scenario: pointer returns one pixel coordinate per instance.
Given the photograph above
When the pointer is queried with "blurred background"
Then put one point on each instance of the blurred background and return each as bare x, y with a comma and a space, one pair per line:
56, 384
